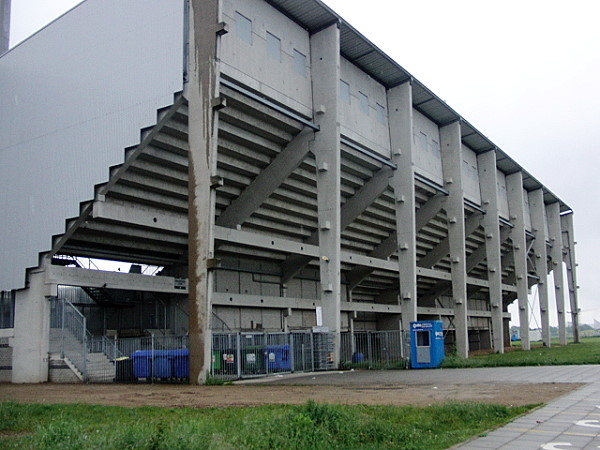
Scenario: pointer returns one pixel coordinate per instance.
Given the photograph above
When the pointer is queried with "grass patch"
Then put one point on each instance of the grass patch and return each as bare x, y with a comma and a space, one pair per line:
586, 352
310, 426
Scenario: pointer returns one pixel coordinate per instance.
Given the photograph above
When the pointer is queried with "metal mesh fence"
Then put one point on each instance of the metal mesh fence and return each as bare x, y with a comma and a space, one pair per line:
243, 355
234, 355
375, 349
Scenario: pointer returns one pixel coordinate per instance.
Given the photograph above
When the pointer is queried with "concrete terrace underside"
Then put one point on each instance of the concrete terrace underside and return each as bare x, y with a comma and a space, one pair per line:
266, 215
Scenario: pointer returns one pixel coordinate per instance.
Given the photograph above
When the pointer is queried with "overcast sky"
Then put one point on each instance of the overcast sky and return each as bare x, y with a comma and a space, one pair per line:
526, 73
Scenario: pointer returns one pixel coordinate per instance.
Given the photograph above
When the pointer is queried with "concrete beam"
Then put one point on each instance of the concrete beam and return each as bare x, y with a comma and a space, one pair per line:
538, 225
282, 166
516, 205
570, 261
349, 212
390, 245
488, 182
555, 235
452, 162
262, 301
400, 107
201, 90
70, 276
140, 215
442, 250
325, 68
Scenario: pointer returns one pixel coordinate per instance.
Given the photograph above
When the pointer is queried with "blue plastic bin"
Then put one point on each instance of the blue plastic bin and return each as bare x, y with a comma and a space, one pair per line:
142, 364
181, 363
277, 358
161, 363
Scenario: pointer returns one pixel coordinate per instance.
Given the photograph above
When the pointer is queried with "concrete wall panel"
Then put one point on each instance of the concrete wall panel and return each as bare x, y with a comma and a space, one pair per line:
470, 175
427, 154
364, 119
527, 211
253, 62
72, 101
502, 196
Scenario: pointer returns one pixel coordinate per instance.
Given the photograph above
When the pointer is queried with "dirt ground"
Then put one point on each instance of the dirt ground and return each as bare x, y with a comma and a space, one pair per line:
180, 396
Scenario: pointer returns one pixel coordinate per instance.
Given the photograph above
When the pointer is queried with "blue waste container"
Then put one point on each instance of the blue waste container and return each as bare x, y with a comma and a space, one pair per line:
162, 366
161, 363
181, 363
277, 358
142, 363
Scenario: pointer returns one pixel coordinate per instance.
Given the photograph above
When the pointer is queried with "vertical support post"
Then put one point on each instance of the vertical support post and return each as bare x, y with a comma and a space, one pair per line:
555, 235
488, 181
202, 88
452, 161
4, 25
84, 343
516, 205
401, 131
325, 67
238, 355
32, 329
62, 328
570, 261
538, 223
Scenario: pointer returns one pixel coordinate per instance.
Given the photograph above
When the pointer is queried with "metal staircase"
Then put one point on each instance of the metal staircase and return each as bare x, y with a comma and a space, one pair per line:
90, 357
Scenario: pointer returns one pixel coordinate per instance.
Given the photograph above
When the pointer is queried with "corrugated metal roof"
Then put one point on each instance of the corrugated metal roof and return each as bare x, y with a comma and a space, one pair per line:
314, 15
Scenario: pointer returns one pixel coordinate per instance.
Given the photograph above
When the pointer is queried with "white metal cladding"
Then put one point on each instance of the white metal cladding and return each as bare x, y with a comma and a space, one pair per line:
72, 98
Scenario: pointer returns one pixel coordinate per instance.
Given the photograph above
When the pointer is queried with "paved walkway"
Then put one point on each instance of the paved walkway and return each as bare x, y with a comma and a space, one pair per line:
569, 422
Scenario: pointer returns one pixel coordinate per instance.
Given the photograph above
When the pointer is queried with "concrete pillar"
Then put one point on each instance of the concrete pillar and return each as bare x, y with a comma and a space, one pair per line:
452, 161
555, 235
538, 225
488, 182
32, 331
570, 261
4, 25
325, 67
401, 125
516, 206
201, 91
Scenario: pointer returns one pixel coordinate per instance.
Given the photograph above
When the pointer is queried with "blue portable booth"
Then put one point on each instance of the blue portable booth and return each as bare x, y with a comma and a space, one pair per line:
427, 344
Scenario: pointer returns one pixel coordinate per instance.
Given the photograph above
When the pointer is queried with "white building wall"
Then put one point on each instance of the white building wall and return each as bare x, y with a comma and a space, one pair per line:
71, 101
252, 62
364, 117
427, 154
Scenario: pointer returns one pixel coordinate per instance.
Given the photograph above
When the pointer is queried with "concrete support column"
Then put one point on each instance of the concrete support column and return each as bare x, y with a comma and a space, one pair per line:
325, 67
555, 235
538, 224
32, 331
452, 161
570, 261
201, 92
516, 205
4, 25
488, 181
401, 126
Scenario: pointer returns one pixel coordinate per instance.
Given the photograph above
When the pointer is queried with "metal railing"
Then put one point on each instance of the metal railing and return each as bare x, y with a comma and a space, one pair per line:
69, 334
